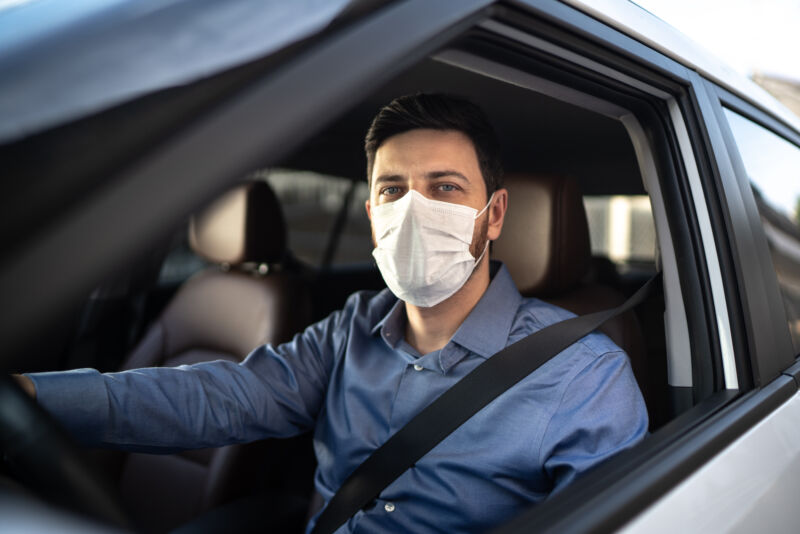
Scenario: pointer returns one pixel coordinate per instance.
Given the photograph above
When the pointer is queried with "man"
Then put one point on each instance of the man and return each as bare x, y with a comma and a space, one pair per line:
360, 375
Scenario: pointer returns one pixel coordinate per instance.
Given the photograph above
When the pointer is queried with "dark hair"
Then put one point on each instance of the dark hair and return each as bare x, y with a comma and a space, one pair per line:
438, 112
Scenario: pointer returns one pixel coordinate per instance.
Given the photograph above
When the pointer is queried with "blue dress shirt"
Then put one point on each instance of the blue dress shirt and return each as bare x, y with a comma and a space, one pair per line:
354, 380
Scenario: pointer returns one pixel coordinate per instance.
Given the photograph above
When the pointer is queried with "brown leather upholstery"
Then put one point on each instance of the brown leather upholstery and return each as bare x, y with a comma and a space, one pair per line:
217, 314
226, 231
227, 314
545, 239
545, 246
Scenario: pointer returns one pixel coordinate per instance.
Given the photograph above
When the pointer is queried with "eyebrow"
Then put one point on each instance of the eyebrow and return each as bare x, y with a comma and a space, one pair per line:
390, 178
433, 175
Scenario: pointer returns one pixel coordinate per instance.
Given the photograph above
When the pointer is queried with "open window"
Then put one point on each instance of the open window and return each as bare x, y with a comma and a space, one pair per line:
556, 114
559, 114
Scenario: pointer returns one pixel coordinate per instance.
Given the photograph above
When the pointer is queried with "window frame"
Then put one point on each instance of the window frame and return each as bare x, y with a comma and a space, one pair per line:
617, 491
695, 298
770, 347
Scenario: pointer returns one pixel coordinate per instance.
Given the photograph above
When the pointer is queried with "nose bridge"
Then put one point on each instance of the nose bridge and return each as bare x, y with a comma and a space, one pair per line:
418, 182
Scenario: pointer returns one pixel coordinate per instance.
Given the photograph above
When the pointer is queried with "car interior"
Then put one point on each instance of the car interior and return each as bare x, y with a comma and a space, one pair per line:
288, 244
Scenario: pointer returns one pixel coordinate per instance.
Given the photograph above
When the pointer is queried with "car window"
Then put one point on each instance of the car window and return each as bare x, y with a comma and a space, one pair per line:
312, 203
773, 166
621, 228
181, 262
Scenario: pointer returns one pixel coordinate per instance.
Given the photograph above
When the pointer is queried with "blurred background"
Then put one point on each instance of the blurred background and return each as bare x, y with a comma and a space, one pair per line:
758, 38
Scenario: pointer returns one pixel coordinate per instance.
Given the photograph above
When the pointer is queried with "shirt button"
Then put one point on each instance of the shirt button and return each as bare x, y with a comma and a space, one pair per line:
389, 507
418, 367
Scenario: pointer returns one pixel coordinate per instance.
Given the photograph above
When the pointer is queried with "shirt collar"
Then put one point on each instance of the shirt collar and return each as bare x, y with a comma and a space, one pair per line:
485, 330
392, 326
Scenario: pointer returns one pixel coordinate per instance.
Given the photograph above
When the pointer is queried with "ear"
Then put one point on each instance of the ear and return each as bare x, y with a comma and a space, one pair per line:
497, 213
367, 207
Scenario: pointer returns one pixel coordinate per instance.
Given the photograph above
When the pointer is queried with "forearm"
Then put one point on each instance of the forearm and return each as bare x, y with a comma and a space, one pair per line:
203, 405
148, 410
275, 392
167, 409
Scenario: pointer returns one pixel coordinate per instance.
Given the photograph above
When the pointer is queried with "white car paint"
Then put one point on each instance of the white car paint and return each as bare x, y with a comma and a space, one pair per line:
751, 486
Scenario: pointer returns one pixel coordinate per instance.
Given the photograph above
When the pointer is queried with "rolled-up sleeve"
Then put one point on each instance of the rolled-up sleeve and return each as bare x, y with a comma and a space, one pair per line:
275, 391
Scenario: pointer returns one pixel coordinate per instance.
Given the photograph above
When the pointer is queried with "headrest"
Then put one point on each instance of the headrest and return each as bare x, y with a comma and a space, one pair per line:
244, 225
545, 238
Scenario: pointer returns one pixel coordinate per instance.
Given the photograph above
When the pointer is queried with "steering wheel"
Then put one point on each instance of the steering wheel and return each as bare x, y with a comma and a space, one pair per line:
44, 458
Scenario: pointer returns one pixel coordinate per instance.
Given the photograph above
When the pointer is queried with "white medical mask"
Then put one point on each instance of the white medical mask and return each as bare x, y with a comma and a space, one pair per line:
423, 247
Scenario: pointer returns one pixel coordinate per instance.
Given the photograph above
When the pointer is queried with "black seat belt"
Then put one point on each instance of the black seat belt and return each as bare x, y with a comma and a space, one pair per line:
456, 405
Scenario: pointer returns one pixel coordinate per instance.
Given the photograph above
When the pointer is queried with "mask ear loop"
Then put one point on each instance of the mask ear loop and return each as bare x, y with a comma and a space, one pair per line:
486, 246
484, 208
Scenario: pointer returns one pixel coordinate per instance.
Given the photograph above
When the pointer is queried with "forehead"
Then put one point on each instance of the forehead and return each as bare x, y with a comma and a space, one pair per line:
426, 150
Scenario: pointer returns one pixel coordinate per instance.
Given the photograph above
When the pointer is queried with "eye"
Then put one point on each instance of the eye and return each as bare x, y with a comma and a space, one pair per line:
390, 190
447, 187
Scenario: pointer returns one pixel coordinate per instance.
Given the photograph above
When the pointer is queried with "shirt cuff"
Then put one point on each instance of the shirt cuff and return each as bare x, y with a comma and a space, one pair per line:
77, 399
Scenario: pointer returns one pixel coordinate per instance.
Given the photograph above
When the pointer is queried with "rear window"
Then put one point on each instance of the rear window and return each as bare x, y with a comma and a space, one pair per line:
621, 228
312, 203
773, 165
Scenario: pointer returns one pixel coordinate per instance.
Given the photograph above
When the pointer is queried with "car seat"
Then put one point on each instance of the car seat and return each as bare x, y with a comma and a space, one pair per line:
246, 299
545, 246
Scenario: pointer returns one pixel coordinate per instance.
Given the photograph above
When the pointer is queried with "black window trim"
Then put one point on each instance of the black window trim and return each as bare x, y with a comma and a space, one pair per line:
770, 346
709, 177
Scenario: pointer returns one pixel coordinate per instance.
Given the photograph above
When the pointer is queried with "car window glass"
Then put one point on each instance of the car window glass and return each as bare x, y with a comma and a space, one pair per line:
311, 204
621, 228
355, 243
773, 165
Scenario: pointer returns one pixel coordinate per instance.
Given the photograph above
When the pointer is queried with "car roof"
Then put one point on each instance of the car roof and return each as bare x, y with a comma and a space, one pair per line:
638, 23
82, 57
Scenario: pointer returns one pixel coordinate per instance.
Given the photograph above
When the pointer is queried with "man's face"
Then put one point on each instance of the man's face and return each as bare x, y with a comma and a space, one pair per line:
441, 165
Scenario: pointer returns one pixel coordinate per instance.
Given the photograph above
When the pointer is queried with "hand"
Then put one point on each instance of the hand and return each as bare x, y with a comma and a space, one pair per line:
26, 384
